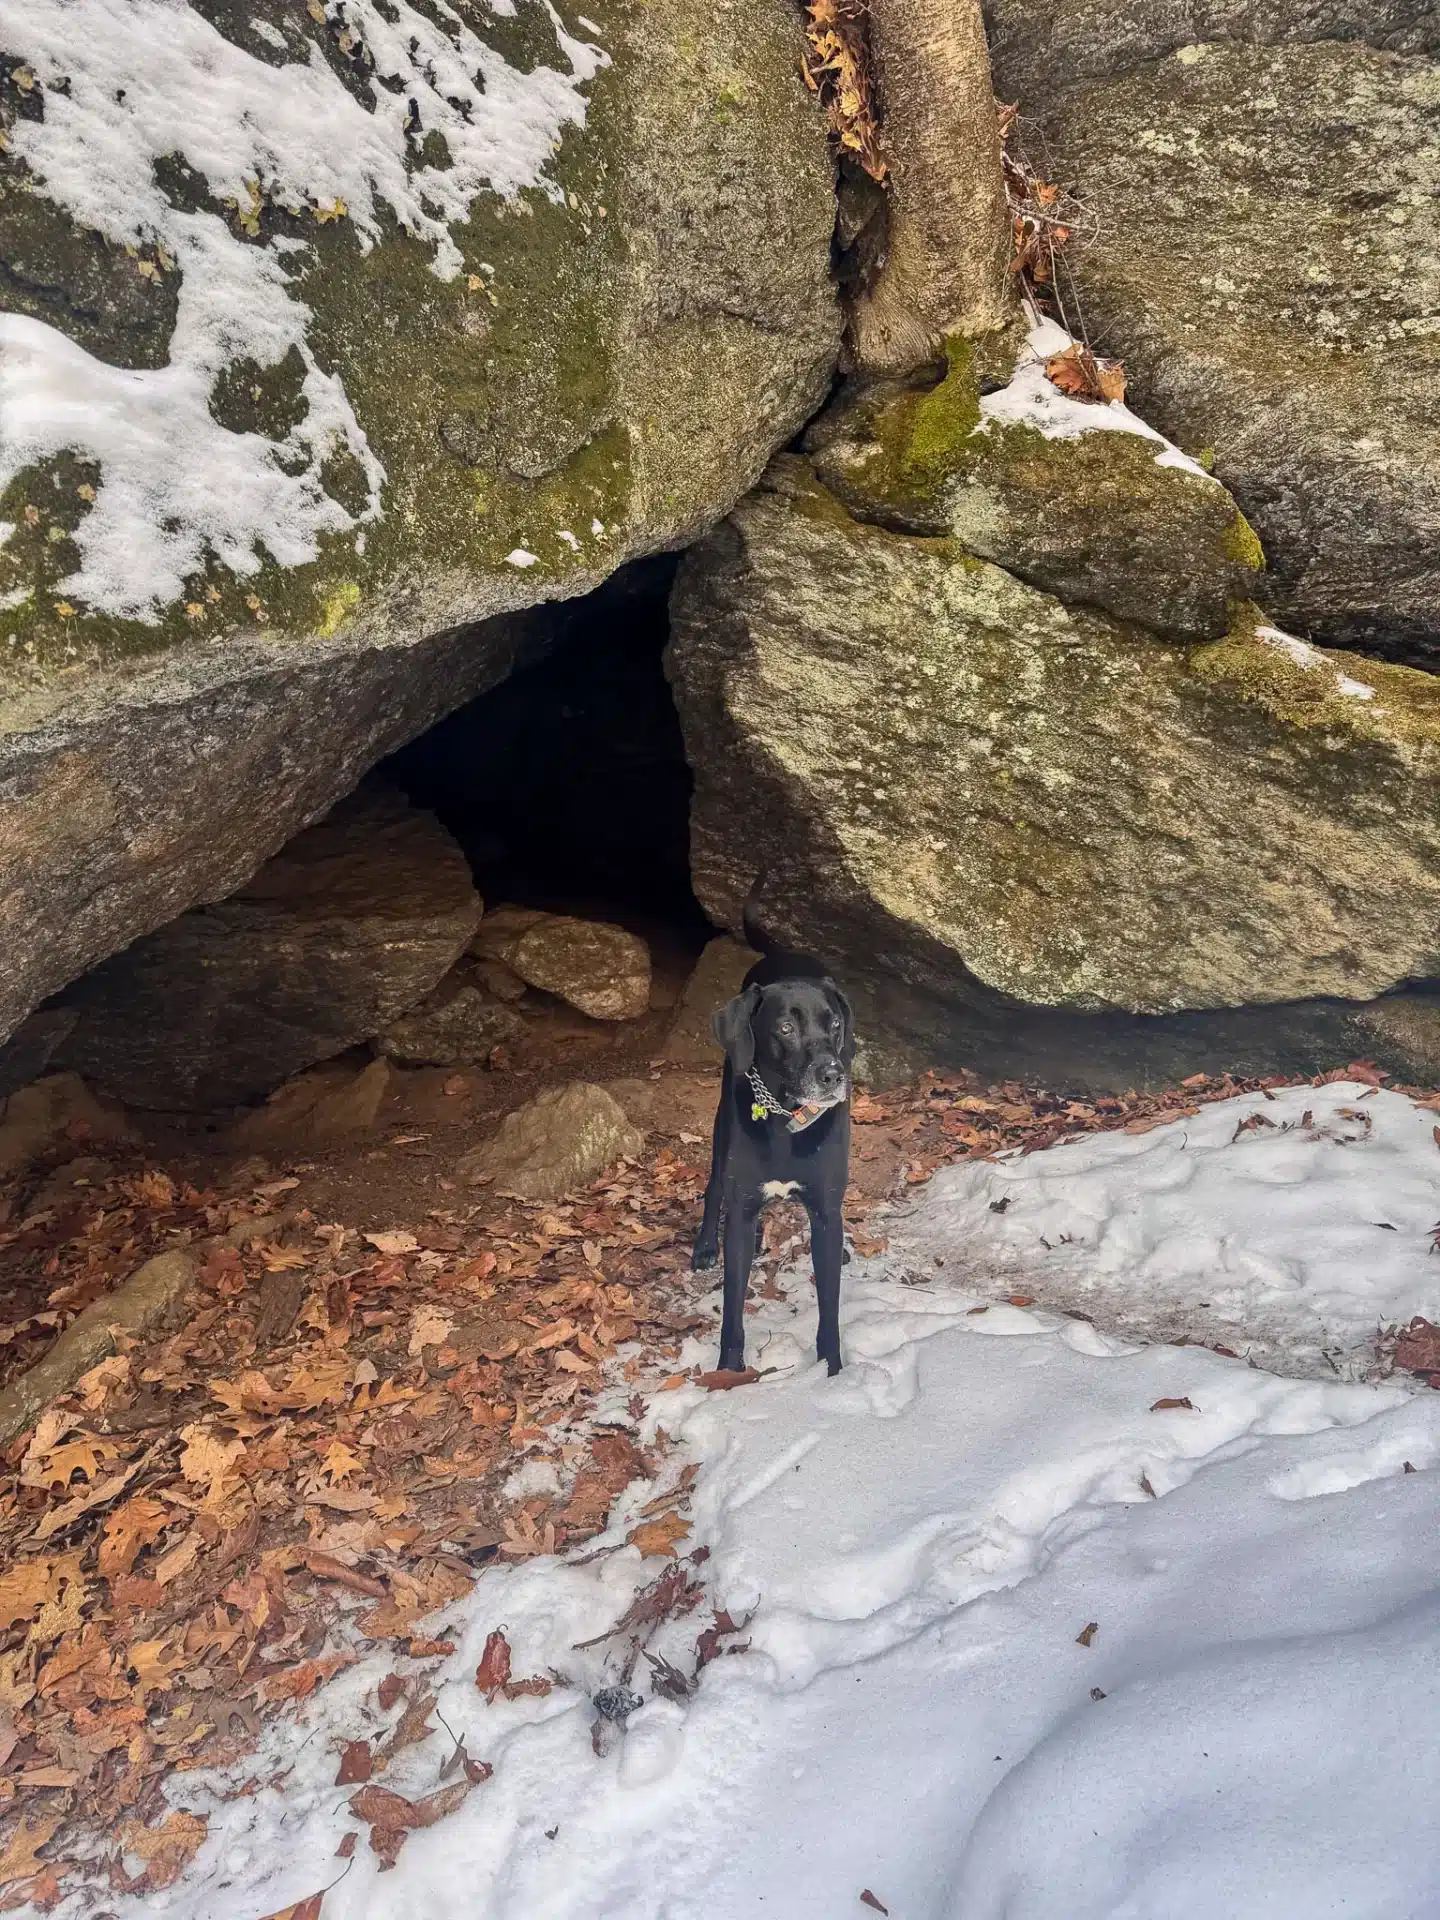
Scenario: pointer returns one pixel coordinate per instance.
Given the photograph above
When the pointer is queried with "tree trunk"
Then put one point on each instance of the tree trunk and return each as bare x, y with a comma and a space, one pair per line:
949, 229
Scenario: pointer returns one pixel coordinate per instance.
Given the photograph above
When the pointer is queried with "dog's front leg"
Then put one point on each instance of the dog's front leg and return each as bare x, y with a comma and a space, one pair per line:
707, 1241
742, 1214
827, 1248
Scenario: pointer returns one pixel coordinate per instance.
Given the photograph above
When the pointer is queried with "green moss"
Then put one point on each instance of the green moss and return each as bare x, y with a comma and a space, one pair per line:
1404, 708
1242, 544
919, 436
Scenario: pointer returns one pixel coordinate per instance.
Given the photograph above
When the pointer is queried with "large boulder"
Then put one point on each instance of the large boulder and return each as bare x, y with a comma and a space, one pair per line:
330, 334
1267, 263
1039, 46
1082, 498
951, 778
349, 927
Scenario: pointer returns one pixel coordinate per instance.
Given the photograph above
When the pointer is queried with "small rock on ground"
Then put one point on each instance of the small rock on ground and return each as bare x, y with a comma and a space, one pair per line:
458, 1031
556, 1142
319, 1109
719, 973
599, 969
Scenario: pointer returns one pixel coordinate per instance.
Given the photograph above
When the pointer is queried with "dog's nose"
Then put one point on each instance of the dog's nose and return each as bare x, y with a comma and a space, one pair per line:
830, 1074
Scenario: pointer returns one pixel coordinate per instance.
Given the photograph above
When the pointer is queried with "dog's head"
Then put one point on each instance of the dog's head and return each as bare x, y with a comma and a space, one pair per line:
799, 1035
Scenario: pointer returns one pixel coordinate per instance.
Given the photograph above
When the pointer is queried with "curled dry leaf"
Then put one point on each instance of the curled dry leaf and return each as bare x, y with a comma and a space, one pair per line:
493, 1673
723, 1379
868, 1899
1078, 373
1184, 1404
1086, 1635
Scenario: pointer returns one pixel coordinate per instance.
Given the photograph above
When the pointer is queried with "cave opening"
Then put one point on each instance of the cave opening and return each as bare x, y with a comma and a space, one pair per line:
567, 784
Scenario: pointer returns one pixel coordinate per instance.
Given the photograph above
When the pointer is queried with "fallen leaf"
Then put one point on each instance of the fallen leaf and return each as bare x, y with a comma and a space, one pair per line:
1163, 1406
723, 1379
165, 1849
325, 1567
303, 1909
1417, 1349
137, 1524
20, 1858
1021, 1299
493, 1672
393, 1243
429, 1328
1080, 374
24, 1589
867, 1899
1086, 1635
357, 1763
299, 1682
389, 1691
659, 1537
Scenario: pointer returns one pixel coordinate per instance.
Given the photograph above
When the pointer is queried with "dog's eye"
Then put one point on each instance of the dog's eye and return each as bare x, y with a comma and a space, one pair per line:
785, 1026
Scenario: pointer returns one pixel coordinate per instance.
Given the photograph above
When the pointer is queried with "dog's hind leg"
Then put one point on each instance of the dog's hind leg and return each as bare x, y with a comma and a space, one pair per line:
742, 1215
707, 1240
827, 1246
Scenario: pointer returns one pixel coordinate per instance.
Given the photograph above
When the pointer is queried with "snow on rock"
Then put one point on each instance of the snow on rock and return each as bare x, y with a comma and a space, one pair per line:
1288, 1227
1249, 1729
1031, 399
129, 82
1313, 661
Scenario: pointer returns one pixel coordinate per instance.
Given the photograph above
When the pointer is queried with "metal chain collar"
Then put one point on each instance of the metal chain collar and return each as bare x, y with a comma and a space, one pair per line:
765, 1102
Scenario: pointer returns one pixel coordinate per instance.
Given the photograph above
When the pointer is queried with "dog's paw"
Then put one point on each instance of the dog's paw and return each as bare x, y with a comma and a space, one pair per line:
705, 1255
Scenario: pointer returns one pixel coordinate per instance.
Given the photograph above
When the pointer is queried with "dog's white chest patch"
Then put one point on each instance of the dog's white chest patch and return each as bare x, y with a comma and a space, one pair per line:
780, 1189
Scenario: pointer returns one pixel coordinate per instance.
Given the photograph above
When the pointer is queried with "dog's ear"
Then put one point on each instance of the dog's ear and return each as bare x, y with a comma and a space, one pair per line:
846, 1048
731, 1026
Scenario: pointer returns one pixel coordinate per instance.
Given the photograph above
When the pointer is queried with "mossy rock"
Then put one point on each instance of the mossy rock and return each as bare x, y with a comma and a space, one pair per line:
1267, 264
952, 779
1100, 513
427, 409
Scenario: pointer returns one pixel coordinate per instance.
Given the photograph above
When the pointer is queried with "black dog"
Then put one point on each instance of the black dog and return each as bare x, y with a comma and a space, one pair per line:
782, 1127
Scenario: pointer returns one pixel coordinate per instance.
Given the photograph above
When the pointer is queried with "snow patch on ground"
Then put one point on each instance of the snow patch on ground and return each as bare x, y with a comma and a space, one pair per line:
922, 1540
1291, 1239
128, 82
1032, 400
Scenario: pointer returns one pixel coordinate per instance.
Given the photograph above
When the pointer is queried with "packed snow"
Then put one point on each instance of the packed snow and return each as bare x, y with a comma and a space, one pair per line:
1042, 1624
1289, 1226
129, 82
